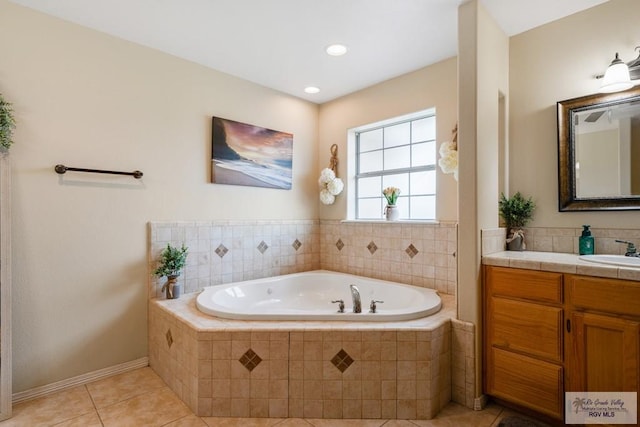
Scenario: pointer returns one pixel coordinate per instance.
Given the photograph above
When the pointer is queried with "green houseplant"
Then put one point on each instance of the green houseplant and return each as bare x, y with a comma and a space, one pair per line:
7, 124
516, 211
172, 261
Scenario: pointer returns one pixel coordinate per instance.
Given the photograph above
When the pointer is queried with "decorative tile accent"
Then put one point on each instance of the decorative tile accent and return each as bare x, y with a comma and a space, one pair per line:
342, 360
221, 250
339, 244
262, 247
250, 360
411, 251
372, 247
169, 338
296, 244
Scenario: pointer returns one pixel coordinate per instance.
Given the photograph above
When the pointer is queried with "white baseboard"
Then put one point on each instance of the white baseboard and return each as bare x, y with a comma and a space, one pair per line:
79, 380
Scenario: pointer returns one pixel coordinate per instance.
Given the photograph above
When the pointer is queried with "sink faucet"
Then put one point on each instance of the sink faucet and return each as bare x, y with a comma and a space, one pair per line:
355, 295
631, 248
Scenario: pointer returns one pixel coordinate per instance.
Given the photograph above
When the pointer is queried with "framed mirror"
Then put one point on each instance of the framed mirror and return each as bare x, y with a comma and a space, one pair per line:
599, 152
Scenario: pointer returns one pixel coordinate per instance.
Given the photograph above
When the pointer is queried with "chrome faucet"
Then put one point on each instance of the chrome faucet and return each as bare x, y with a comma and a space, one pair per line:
355, 296
631, 248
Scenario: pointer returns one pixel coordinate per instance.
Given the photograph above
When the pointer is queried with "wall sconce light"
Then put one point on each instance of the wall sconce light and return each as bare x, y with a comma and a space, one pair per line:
618, 76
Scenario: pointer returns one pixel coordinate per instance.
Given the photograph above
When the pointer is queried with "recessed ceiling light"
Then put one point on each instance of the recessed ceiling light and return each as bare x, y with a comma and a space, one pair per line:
337, 50
311, 89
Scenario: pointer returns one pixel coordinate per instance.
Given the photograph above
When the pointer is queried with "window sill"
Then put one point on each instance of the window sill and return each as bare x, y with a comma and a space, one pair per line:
383, 221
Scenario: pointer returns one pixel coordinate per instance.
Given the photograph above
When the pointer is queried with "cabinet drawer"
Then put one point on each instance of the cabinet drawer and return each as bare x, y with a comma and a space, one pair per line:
527, 327
528, 382
607, 295
541, 286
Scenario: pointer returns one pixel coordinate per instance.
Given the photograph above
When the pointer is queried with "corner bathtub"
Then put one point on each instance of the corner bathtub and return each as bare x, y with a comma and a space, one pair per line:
308, 296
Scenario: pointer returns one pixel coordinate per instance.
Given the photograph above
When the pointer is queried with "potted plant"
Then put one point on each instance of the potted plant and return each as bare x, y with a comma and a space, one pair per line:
7, 124
172, 261
391, 211
516, 212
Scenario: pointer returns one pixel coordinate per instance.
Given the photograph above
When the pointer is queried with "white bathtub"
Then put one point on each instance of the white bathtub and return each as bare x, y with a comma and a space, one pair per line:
308, 296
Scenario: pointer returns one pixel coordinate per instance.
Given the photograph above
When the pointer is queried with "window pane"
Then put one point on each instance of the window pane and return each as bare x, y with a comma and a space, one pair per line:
370, 162
397, 135
423, 129
423, 154
370, 187
371, 140
397, 158
403, 205
398, 180
370, 208
423, 207
397, 155
423, 182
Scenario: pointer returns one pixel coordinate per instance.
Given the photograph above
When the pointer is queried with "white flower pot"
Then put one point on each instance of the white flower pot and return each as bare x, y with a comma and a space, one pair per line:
391, 212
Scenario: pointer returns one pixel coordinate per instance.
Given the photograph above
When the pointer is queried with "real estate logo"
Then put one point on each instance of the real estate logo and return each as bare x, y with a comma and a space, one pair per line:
601, 407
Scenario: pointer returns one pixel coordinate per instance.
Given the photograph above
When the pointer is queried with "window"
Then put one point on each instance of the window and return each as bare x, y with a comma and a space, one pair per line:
401, 154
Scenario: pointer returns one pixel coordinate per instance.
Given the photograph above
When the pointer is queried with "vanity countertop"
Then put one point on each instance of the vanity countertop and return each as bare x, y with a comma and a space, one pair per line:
560, 263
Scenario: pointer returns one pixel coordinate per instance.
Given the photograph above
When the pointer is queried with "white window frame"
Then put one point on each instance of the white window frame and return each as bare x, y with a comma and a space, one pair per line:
354, 162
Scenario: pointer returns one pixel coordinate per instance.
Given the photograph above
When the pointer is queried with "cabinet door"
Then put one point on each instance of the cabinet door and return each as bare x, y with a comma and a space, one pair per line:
603, 353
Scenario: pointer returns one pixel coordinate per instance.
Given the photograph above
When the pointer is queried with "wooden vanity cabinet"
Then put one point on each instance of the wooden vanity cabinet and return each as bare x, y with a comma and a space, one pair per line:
546, 333
523, 349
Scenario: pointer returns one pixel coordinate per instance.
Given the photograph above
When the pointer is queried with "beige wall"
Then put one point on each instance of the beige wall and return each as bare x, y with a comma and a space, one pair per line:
483, 52
89, 100
433, 86
551, 63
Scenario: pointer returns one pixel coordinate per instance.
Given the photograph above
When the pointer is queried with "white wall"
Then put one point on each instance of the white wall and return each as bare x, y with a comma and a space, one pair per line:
433, 86
86, 99
552, 63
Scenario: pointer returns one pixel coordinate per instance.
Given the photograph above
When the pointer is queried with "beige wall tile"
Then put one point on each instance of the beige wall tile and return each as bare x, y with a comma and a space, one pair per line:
351, 408
240, 408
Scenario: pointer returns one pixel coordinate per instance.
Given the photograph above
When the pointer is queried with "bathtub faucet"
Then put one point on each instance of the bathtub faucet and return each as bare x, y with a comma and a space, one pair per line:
355, 295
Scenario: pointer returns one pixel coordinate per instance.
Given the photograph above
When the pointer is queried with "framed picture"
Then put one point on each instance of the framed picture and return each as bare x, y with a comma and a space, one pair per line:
243, 154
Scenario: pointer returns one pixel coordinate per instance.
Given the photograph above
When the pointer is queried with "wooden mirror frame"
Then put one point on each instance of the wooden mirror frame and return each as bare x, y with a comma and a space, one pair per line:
567, 198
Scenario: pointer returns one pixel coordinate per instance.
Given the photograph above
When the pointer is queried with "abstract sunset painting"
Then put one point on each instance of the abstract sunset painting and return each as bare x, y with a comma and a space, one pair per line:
244, 154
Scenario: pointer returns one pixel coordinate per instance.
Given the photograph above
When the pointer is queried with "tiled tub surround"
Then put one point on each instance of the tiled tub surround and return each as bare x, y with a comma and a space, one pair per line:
399, 370
232, 251
561, 240
419, 254
234, 368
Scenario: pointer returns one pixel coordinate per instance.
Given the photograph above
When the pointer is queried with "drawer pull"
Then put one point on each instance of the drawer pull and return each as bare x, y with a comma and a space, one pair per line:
569, 325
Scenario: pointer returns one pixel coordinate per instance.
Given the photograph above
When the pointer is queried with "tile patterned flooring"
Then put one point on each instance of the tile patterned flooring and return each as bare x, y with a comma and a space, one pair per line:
140, 398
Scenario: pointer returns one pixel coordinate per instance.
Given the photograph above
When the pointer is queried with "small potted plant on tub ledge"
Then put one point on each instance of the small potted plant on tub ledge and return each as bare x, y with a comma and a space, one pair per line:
172, 261
516, 212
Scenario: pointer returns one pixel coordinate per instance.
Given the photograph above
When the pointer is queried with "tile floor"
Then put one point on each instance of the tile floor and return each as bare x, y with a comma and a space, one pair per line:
140, 398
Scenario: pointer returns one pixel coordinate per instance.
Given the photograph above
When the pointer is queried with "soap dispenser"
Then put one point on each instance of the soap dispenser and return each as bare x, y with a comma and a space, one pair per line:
586, 244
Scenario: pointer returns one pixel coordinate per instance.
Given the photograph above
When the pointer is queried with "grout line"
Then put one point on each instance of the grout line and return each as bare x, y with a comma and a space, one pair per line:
93, 402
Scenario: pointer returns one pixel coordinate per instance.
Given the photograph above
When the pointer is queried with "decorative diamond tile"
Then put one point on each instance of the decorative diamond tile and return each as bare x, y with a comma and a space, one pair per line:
296, 244
169, 338
262, 247
342, 360
372, 247
411, 251
221, 250
250, 360
339, 244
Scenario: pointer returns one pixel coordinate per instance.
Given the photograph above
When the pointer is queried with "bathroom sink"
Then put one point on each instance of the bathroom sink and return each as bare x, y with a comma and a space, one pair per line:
621, 260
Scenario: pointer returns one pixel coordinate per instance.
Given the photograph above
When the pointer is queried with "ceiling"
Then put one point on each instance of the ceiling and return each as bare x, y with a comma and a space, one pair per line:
281, 43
